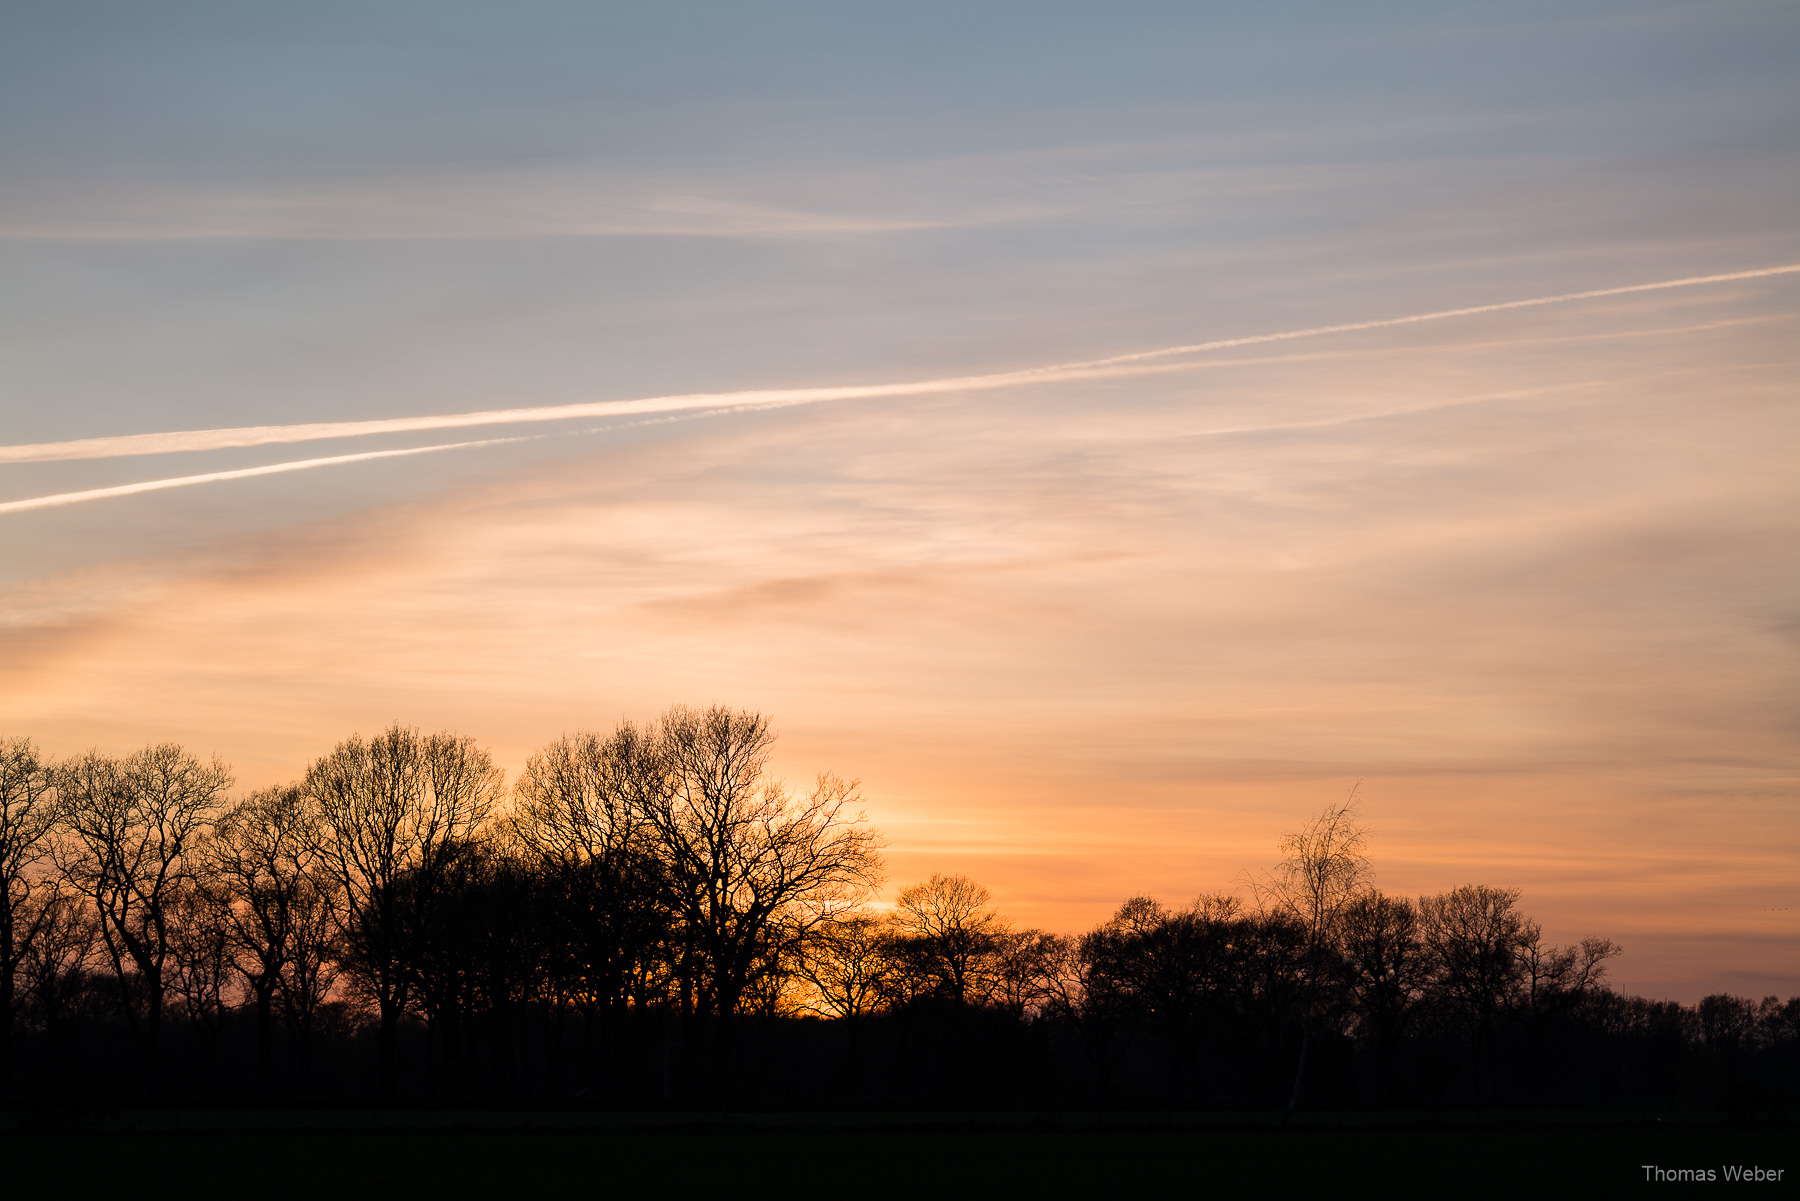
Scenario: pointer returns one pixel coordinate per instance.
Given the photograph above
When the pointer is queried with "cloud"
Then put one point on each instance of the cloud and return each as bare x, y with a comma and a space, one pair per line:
68, 498
420, 206
1537, 628
1104, 368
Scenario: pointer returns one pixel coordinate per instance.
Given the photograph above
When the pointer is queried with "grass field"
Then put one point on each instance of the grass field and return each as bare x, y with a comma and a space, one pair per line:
797, 1159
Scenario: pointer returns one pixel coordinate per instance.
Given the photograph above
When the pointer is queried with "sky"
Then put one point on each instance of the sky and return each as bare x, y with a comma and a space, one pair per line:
841, 316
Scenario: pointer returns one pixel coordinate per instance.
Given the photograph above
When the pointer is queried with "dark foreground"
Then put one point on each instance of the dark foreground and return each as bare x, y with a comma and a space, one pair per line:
872, 1156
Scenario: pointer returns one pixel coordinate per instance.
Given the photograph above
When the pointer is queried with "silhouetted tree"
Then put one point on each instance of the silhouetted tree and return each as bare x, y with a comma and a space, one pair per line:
27, 812
307, 977
58, 961
1475, 934
1553, 981
657, 883
200, 961
849, 961
957, 930
741, 853
512, 951
442, 915
476, 954
1178, 967
1271, 979
585, 811
133, 828
1727, 1024
1021, 966
395, 810
774, 987
270, 898
1323, 868
1386, 969
1088, 989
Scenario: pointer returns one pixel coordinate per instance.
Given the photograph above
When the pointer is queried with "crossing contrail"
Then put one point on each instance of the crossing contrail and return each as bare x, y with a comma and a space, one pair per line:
1117, 365
183, 481
244, 473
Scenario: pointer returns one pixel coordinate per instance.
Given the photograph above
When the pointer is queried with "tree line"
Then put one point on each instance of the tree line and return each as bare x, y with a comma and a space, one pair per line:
649, 917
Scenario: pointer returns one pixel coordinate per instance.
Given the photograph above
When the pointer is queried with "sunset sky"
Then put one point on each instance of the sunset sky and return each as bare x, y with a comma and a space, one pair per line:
1528, 574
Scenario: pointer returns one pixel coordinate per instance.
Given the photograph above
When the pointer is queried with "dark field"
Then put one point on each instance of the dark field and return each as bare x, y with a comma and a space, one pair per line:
824, 1157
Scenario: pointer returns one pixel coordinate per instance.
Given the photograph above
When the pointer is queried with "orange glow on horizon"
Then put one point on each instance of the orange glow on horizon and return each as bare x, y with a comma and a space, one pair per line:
1085, 646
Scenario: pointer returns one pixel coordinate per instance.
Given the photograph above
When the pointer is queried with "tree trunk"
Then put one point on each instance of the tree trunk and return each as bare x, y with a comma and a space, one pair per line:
1312, 989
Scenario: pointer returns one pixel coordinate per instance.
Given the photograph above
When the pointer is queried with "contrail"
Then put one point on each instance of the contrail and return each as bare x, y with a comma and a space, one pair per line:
1316, 330
184, 481
260, 435
1089, 370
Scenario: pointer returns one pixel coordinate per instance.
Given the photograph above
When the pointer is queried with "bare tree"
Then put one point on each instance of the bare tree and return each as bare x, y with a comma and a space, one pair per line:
957, 928
1019, 973
443, 920
1387, 968
1476, 935
394, 812
270, 898
1553, 980
513, 947
1553, 974
27, 813
1323, 868
912, 973
133, 829
849, 960
1085, 988
1023, 962
311, 970
1176, 967
584, 812
745, 857
776, 986
56, 973
200, 960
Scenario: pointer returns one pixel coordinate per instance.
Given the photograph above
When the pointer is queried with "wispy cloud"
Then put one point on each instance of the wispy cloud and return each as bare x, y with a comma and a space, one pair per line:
1103, 368
420, 207
1145, 645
